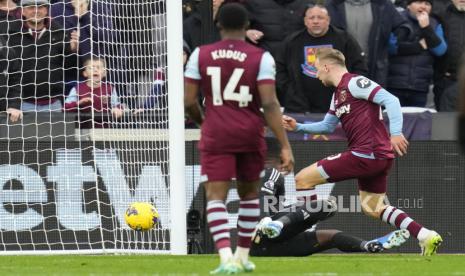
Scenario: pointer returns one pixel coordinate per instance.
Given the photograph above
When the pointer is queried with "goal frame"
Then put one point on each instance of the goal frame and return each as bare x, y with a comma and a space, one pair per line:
176, 151
175, 80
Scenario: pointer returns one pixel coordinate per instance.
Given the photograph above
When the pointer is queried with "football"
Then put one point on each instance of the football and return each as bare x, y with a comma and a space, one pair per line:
141, 216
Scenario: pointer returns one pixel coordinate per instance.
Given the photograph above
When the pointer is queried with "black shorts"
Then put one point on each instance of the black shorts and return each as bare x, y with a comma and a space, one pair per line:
303, 244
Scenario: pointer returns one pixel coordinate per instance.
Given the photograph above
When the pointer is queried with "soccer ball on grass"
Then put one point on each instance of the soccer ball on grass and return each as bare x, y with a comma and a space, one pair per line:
141, 216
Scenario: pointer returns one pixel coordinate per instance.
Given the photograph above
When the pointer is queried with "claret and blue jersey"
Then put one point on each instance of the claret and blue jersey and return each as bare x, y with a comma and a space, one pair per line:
229, 73
356, 104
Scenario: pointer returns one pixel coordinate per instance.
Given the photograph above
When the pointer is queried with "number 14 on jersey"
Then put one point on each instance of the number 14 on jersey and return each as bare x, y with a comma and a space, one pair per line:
243, 97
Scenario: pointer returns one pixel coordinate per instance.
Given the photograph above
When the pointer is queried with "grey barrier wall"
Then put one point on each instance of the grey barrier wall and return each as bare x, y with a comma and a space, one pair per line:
428, 184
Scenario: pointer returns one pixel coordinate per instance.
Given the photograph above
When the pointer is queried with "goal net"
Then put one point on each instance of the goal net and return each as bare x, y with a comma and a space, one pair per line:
100, 127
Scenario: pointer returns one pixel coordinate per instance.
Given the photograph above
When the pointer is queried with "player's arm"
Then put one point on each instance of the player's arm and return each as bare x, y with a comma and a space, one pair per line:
328, 125
191, 103
392, 105
192, 87
272, 109
371, 91
272, 114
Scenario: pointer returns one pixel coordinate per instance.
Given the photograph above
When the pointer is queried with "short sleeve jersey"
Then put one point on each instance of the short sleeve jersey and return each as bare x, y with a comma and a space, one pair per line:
360, 117
229, 72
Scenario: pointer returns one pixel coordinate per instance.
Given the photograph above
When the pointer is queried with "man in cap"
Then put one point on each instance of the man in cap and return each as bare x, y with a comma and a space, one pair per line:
45, 52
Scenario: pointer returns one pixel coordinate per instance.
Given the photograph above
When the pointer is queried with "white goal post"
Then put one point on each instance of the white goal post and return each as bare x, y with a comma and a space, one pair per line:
176, 127
68, 174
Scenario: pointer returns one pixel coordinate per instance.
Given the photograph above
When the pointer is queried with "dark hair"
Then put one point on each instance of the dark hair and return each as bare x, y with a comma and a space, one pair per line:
319, 4
232, 16
311, 6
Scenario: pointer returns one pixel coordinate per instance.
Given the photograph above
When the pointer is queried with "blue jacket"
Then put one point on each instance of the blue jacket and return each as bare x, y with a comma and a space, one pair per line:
385, 19
411, 66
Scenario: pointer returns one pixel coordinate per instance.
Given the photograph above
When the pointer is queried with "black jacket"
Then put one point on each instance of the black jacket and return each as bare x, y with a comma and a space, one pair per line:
8, 23
44, 61
199, 31
276, 19
453, 22
295, 78
385, 19
9, 83
412, 67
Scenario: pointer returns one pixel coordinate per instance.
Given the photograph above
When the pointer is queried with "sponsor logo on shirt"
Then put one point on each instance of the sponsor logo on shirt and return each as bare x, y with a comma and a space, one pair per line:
363, 82
345, 109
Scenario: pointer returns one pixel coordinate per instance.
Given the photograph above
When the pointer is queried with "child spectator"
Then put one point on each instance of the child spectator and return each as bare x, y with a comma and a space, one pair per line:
94, 92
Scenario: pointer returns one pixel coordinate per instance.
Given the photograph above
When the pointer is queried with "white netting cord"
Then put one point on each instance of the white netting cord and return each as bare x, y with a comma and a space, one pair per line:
72, 166
145, 98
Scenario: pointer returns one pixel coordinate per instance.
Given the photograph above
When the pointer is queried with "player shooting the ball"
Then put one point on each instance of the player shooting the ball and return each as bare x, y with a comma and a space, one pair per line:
356, 104
296, 237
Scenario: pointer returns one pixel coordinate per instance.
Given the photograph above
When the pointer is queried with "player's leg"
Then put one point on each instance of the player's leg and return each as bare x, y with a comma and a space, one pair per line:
305, 182
249, 168
303, 244
372, 194
217, 170
296, 219
307, 243
331, 169
389, 241
328, 239
331, 238
249, 214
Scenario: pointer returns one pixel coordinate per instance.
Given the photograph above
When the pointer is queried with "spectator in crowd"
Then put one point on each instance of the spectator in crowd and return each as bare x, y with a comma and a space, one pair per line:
295, 65
45, 51
9, 90
9, 14
371, 23
95, 28
94, 93
273, 20
187, 8
445, 80
439, 6
413, 47
158, 97
198, 29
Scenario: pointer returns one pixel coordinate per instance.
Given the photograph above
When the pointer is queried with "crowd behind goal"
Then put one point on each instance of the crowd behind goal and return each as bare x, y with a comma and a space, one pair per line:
77, 56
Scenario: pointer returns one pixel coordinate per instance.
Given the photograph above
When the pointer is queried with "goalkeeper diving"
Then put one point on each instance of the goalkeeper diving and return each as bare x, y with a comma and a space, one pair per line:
288, 231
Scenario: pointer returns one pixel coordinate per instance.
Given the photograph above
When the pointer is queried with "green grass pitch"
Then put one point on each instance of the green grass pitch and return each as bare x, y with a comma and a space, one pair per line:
318, 265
